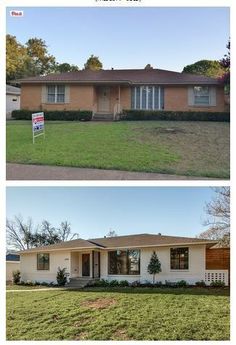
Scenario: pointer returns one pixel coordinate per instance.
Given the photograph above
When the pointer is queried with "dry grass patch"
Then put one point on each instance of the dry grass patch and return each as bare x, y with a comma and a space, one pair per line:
99, 303
120, 334
82, 336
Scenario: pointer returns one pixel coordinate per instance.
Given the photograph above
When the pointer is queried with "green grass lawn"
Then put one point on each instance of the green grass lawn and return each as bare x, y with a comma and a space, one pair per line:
182, 148
119, 314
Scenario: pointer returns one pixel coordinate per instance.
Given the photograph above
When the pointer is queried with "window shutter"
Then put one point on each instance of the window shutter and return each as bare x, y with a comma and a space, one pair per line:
67, 94
190, 95
213, 96
44, 94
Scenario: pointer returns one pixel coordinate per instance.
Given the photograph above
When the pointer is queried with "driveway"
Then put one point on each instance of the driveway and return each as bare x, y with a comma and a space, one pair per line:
44, 172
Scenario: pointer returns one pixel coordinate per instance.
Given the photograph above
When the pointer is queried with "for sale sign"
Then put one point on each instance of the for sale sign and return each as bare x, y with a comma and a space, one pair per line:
38, 125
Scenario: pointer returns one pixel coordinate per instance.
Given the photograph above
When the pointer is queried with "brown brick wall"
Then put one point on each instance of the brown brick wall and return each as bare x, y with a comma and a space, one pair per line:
217, 258
81, 97
31, 97
84, 96
176, 99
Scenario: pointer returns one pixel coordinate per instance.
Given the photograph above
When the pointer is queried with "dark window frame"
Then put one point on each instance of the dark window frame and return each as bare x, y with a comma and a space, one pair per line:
43, 269
129, 271
177, 259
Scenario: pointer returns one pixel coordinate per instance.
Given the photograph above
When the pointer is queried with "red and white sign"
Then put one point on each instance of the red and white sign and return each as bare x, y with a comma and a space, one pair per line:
37, 124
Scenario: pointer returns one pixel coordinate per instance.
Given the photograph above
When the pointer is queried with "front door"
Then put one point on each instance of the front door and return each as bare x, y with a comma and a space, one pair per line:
85, 265
104, 99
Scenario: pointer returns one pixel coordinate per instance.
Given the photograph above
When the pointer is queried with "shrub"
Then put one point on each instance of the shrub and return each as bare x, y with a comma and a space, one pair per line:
182, 283
114, 283
170, 284
136, 283
61, 276
123, 283
16, 277
145, 115
217, 283
200, 283
44, 284
63, 115
158, 284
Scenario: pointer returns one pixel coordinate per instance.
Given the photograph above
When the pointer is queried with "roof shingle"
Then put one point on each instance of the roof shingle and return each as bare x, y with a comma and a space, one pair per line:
138, 240
127, 76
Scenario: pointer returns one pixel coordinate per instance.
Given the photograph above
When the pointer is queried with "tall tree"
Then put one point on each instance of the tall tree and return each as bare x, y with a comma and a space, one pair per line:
218, 217
209, 68
23, 235
16, 58
41, 61
225, 64
19, 233
154, 266
66, 67
93, 63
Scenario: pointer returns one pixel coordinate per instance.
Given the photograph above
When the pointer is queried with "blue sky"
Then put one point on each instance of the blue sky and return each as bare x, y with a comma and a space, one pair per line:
92, 211
168, 38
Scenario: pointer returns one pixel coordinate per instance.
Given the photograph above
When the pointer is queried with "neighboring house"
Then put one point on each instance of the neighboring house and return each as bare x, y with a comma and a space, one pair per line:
12, 99
12, 264
110, 91
123, 258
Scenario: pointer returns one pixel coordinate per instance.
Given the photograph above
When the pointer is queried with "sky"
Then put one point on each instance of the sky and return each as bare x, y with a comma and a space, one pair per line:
167, 38
93, 211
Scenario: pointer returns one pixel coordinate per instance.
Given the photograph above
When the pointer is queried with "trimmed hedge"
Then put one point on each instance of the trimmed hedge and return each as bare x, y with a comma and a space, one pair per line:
144, 115
63, 115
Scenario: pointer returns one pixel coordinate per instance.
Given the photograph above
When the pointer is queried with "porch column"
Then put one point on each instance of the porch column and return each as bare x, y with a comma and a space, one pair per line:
92, 263
119, 99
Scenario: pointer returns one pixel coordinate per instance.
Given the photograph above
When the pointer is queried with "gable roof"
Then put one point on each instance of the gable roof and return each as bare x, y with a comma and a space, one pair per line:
129, 241
125, 76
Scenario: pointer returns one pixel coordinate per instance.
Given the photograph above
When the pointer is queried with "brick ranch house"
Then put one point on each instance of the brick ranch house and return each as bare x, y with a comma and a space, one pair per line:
107, 92
127, 258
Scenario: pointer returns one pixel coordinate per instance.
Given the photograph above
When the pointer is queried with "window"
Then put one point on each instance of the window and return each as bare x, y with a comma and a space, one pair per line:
179, 258
147, 97
42, 261
201, 95
56, 93
125, 262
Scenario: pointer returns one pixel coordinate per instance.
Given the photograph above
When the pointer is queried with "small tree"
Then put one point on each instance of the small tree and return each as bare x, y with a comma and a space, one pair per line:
154, 266
16, 277
61, 276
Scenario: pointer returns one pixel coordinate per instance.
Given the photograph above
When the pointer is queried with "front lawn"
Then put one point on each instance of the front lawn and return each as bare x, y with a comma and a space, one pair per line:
119, 314
181, 147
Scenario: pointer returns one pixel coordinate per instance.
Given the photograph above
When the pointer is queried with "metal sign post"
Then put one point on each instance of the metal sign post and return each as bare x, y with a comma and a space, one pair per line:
38, 125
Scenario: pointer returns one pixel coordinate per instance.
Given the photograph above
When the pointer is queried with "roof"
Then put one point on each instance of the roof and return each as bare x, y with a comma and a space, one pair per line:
12, 90
142, 240
73, 244
129, 241
125, 76
12, 257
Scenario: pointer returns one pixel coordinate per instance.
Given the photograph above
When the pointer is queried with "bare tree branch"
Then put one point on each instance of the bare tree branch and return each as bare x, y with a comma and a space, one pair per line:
218, 221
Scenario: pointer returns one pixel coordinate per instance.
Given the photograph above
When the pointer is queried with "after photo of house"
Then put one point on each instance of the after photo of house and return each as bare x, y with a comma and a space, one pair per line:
129, 272
119, 106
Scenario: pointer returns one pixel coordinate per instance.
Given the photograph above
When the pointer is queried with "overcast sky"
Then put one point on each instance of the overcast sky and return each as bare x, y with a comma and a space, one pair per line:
92, 211
167, 38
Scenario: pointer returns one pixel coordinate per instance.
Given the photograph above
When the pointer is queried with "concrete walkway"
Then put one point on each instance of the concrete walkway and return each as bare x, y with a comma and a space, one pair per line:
44, 172
30, 290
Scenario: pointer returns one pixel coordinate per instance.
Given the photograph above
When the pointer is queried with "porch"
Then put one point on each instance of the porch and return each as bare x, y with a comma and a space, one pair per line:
108, 100
85, 265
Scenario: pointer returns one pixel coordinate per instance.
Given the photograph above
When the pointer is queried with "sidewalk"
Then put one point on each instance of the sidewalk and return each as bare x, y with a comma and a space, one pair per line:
44, 172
